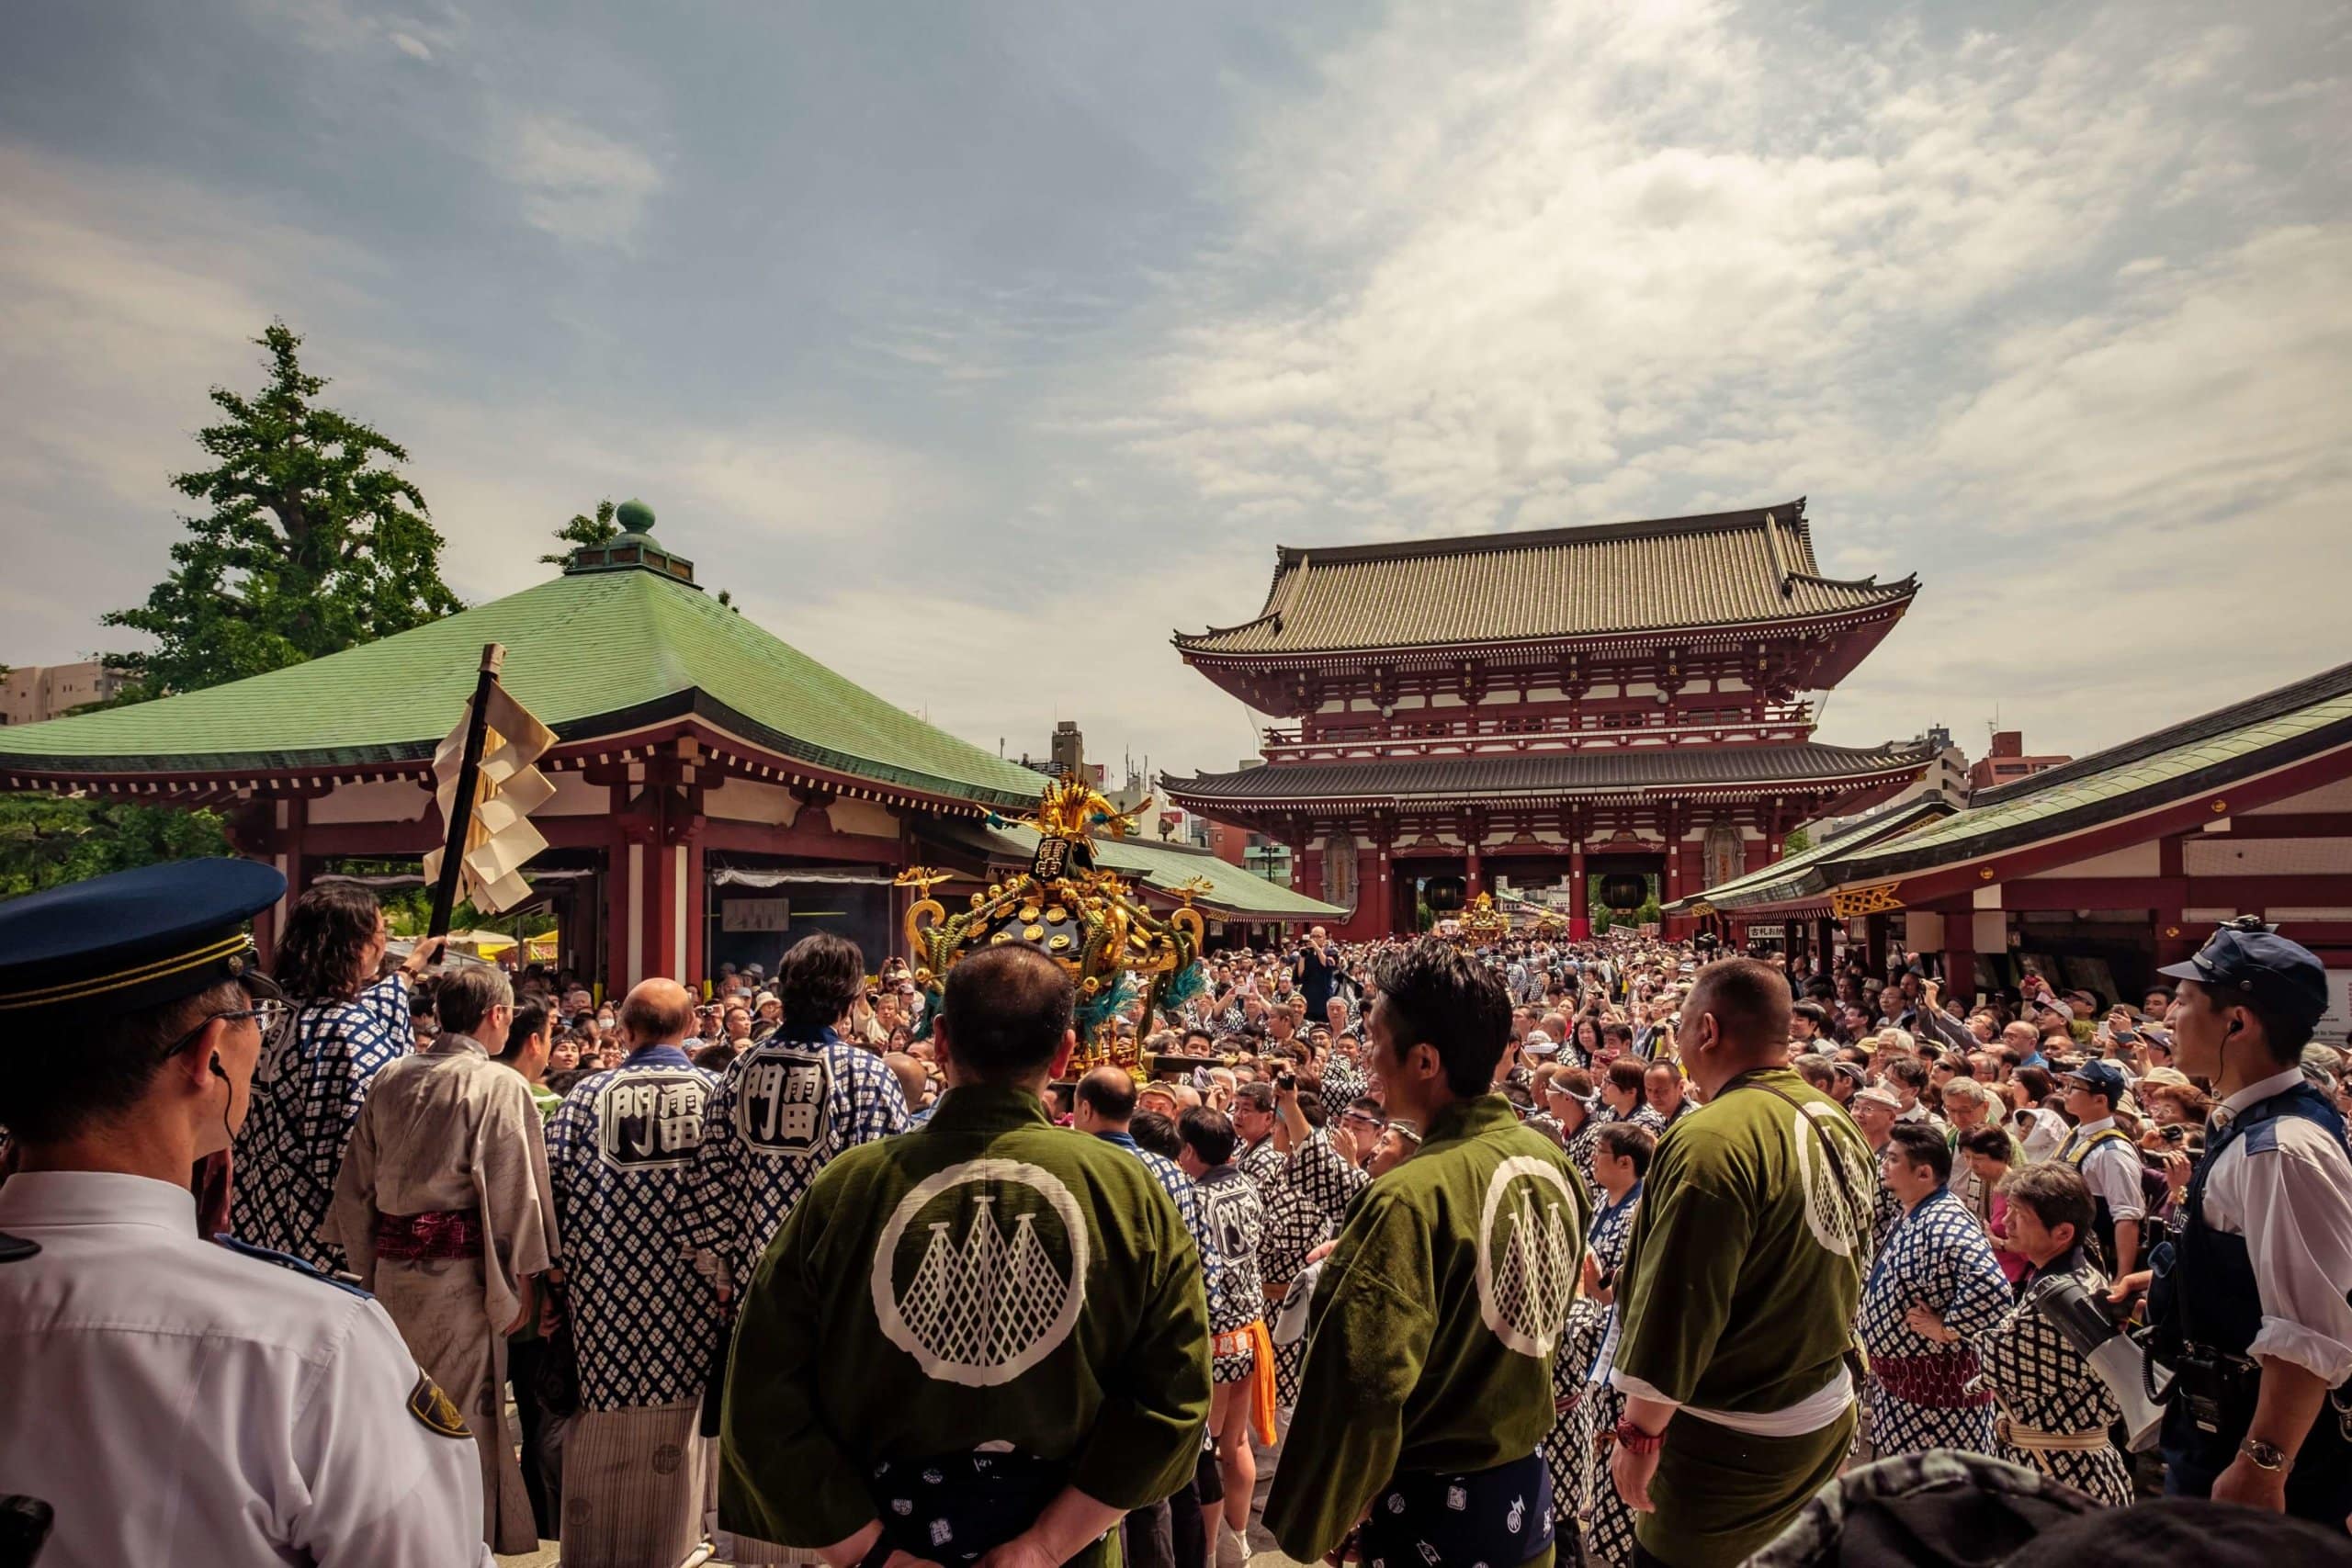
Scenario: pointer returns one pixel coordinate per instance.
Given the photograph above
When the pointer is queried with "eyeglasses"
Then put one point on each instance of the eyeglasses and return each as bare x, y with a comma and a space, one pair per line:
268, 1013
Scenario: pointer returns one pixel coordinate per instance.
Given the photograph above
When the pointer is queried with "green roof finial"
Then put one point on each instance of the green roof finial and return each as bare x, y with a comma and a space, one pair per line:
634, 516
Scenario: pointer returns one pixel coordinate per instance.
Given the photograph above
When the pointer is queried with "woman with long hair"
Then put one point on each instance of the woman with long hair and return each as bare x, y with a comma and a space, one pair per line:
345, 1024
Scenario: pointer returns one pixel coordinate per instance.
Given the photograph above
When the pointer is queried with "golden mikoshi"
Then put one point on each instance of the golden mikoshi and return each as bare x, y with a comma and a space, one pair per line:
1088, 919
1483, 922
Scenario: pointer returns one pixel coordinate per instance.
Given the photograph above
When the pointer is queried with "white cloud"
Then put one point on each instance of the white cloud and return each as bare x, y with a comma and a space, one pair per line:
2031, 313
578, 184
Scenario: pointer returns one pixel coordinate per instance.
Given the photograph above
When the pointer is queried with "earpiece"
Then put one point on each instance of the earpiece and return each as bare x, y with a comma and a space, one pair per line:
214, 1067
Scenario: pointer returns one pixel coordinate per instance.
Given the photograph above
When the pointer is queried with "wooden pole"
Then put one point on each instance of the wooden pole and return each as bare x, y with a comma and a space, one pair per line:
462, 811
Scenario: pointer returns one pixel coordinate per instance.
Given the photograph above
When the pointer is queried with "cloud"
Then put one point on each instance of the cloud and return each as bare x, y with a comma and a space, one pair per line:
338, 26
578, 184
2040, 315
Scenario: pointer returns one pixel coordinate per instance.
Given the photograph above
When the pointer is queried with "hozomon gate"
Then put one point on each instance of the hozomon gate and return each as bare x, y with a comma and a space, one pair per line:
1627, 697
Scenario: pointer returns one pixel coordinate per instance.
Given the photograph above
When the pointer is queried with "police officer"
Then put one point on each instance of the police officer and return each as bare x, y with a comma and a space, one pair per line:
169, 1397
2108, 1161
2250, 1299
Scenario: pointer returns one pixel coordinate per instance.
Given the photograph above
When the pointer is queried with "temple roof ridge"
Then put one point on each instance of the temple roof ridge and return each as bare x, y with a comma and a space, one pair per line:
1654, 577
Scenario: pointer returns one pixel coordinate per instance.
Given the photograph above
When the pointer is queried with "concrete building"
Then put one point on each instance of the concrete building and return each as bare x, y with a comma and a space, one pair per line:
1945, 779
36, 691
2007, 763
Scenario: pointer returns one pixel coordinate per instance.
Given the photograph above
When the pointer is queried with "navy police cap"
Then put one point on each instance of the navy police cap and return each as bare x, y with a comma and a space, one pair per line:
132, 939
2246, 960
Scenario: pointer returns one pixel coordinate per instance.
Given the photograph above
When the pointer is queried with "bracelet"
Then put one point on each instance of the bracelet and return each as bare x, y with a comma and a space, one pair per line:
1634, 1441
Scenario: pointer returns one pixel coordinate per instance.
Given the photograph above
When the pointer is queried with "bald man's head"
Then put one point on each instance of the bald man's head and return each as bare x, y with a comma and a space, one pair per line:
1110, 1093
911, 1075
657, 1012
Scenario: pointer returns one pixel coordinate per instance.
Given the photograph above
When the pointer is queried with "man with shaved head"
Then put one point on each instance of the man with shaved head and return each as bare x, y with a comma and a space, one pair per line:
1739, 1288
621, 1150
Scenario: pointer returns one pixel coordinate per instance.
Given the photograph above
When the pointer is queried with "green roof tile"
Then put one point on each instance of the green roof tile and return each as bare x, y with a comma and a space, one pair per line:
1233, 892
583, 650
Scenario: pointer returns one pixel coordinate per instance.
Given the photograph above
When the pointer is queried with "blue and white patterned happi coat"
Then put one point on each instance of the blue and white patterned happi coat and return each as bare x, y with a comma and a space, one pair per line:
784, 1110
1936, 1256
619, 1153
306, 1097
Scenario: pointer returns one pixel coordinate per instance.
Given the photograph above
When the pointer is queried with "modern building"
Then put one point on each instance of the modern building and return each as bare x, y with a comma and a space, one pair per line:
1944, 779
34, 692
719, 793
2007, 762
2098, 871
1629, 698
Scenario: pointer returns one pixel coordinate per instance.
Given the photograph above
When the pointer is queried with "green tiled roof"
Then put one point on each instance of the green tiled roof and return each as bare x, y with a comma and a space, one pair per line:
1787, 876
1233, 892
1725, 568
2180, 762
2206, 752
586, 651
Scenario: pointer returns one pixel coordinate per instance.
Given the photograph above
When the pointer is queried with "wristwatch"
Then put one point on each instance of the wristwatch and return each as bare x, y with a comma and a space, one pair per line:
1634, 1441
2266, 1456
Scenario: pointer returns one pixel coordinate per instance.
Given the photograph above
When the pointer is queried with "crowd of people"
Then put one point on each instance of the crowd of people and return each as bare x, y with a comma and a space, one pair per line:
1417, 1251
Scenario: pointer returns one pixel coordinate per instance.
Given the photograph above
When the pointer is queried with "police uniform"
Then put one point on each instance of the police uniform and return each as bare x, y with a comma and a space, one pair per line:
2264, 1253
171, 1398
2108, 1161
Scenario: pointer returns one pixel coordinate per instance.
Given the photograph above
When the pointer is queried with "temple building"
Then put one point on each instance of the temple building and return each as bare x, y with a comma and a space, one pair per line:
719, 793
1626, 702
2095, 873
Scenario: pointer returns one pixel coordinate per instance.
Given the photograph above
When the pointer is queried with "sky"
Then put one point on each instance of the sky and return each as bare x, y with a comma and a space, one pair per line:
977, 348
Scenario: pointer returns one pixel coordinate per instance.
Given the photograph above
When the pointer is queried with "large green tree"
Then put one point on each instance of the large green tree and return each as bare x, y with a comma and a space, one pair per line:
45, 841
313, 541
584, 530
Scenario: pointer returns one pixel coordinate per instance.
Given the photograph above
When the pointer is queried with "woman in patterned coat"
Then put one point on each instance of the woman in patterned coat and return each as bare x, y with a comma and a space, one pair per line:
2055, 1414
1588, 1406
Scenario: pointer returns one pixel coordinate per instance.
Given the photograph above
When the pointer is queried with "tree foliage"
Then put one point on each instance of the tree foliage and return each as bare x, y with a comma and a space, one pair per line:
45, 841
314, 542
584, 530
1797, 843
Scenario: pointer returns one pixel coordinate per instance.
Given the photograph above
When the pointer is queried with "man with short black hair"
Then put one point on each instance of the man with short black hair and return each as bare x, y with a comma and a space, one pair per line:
1738, 1292
871, 1357
2250, 1307
2109, 1161
1257, 1155
1933, 1288
1427, 1387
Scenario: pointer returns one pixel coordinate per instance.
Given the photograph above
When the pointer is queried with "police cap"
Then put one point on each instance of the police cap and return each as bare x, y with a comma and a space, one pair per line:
2104, 1078
2246, 960
132, 939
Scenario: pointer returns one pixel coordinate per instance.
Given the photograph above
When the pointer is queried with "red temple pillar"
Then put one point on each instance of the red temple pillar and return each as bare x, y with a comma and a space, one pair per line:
1473, 880
1580, 901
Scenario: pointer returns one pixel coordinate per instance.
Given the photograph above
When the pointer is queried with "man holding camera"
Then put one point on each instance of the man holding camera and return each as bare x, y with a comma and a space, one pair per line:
2248, 1300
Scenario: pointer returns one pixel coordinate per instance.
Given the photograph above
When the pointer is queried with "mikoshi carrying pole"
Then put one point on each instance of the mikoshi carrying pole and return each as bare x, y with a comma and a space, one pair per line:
461, 810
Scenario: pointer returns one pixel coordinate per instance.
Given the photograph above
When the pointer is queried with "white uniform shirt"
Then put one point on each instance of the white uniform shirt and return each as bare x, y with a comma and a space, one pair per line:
176, 1401
2111, 1170
2293, 1205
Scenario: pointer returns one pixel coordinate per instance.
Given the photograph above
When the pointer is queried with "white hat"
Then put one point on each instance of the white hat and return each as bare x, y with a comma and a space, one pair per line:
1878, 1096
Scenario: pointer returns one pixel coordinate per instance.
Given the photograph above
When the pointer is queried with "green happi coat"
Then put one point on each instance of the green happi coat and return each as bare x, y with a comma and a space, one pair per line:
1741, 1283
1434, 1323
861, 1339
